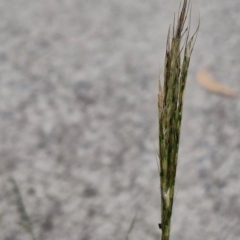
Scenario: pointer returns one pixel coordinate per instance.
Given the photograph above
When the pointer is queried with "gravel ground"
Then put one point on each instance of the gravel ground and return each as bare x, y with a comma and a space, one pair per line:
78, 127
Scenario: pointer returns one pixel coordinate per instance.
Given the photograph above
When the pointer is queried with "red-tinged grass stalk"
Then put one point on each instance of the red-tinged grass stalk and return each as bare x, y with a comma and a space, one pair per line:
170, 106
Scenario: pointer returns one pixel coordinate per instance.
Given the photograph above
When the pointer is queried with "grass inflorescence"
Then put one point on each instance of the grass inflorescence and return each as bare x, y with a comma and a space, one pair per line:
170, 106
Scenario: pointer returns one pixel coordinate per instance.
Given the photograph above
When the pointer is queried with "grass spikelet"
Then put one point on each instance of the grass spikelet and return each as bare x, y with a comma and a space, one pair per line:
170, 103
25, 221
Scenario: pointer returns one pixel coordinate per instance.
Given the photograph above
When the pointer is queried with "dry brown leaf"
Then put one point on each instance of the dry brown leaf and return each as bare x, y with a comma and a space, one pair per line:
210, 84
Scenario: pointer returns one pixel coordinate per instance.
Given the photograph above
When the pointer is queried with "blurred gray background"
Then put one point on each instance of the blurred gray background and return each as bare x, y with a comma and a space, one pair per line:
78, 120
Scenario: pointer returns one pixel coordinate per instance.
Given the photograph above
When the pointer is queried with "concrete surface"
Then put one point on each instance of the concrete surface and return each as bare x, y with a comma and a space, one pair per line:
78, 120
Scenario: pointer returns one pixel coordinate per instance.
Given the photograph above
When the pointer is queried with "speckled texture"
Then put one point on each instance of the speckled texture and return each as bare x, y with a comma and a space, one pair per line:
78, 120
